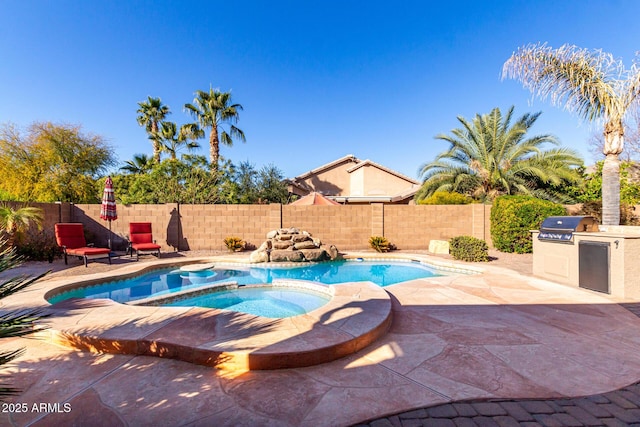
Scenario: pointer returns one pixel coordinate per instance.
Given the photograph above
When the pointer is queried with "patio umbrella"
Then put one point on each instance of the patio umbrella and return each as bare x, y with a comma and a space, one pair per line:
108, 208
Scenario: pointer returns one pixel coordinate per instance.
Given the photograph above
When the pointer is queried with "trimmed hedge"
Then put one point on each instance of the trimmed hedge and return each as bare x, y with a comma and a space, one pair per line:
467, 248
512, 218
446, 198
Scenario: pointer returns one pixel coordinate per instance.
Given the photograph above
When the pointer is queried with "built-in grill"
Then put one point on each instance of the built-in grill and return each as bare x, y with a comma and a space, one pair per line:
560, 229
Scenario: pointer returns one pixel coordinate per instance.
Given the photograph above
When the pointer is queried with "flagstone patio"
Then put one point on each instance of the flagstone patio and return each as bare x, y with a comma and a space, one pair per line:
498, 334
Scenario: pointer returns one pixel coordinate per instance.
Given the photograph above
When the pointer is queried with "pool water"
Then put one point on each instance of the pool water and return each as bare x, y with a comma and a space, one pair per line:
169, 281
266, 302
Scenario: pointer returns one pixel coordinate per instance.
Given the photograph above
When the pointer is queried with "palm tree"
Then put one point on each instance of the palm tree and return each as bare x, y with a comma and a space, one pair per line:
592, 84
489, 157
150, 114
212, 109
140, 164
171, 139
15, 221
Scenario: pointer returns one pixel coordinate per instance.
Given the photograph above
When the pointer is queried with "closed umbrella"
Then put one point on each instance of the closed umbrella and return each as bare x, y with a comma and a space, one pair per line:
108, 208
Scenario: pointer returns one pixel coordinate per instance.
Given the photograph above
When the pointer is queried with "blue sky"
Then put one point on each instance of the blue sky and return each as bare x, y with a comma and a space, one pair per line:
318, 80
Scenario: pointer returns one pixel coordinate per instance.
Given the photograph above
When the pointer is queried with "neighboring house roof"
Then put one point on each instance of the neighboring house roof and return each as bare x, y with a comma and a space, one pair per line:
345, 181
379, 166
316, 199
319, 169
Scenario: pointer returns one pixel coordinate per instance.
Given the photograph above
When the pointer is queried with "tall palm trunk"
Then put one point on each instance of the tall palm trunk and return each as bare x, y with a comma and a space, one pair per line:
613, 143
156, 142
611, 190
214, 148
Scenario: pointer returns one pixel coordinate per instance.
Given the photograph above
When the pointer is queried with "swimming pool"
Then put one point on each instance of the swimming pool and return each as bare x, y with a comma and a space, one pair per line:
161, 285
171, 280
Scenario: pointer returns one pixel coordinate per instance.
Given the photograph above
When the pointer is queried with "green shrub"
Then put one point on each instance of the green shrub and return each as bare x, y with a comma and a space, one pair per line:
234, 244
467, 248
380, 244
446, 198
512, 218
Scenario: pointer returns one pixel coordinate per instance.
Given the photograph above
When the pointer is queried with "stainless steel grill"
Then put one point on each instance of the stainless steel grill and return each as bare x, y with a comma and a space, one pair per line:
560, 229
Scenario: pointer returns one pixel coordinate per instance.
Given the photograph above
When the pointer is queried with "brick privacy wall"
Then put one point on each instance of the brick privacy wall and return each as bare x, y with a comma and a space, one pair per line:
204, 227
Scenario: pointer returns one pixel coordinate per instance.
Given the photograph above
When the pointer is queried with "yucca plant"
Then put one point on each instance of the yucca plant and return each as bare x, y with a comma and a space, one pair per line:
15, 323
234, 244
379, 243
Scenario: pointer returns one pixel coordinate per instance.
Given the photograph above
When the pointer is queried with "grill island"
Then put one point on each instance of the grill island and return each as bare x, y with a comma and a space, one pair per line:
576, 251
561, 228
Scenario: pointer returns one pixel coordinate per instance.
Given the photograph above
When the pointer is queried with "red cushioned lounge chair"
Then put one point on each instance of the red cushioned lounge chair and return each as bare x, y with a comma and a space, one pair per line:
141, 239
70, 237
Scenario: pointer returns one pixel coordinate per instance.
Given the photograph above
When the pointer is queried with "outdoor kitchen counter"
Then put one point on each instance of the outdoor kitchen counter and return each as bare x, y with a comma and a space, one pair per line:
604, 261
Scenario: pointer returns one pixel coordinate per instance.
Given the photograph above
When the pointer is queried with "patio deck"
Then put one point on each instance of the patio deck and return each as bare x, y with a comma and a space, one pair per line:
496, 335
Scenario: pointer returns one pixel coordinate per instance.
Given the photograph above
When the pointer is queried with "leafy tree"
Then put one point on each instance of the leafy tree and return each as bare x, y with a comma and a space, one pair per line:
151, 113
212, 109
245, 179
189, 180
15, 323
490, 156
595, 86
52, 163
592, 188
141, 163
170, 181
270, 185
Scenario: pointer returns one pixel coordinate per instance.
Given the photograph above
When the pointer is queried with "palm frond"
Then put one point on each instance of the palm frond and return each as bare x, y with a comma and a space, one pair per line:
492, 155
586, 82
20, 323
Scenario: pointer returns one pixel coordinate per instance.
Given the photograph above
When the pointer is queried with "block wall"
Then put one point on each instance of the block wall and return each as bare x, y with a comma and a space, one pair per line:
204, 227
413, 226
346, 227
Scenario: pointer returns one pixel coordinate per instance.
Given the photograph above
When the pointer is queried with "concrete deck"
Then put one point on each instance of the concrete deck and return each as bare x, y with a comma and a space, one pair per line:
498, 334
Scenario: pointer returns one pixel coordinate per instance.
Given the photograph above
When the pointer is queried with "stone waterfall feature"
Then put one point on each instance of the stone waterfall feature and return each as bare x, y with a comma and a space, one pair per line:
292, 245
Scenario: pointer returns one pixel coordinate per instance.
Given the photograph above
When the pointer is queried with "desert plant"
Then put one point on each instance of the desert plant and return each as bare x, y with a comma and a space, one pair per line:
380, 243
467, 248
446, 198
513, 218
15, 221
38, 245
234, 244
15, 323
